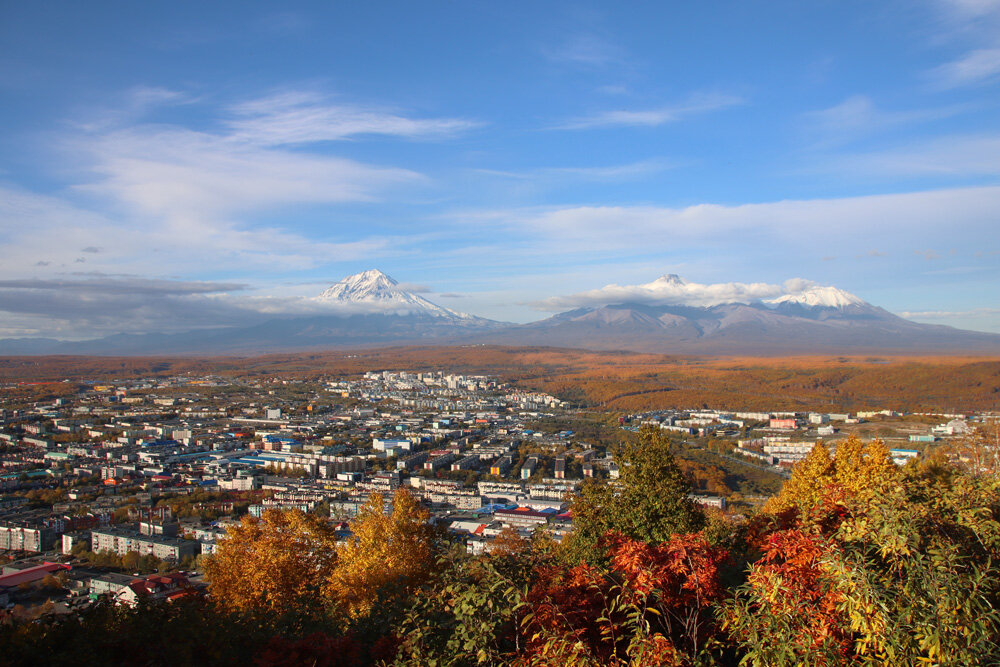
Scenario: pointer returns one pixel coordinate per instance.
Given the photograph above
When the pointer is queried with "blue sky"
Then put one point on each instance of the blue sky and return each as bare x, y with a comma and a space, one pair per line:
171, 165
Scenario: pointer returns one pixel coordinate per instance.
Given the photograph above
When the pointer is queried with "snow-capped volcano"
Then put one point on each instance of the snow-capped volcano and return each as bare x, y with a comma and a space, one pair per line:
667, 279
820, 297
374, 291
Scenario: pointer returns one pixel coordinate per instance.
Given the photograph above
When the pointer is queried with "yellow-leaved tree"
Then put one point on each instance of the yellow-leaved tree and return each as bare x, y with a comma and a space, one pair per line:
857, 473
277, 563
388, 554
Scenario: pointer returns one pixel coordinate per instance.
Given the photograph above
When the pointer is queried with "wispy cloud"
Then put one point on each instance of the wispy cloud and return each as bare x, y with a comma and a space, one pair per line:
977, 67
182, 174
115, 285
585, 49
949, 314
961, 155
297, 117
618, 172
970, 13
911, 221
696, 104
976, 319
857, 116
45, 233
975, 26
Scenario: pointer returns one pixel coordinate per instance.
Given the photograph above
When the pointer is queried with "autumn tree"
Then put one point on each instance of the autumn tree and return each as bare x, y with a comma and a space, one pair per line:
279, 562
881, 566
388, 553
648, 502
652, 605
857, 471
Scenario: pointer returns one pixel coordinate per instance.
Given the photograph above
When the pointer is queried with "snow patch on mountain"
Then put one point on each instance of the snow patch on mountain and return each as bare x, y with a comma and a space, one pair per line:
820, 297
667, 290
672, 290
374, 291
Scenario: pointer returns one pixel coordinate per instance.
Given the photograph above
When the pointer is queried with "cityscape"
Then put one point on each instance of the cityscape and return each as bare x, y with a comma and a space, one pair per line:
467, 334
122, 490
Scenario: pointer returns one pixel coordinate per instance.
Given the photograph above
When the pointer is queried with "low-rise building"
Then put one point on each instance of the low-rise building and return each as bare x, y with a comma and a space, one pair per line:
122, 540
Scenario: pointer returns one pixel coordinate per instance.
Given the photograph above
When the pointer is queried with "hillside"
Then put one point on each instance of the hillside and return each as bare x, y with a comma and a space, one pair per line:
610, 380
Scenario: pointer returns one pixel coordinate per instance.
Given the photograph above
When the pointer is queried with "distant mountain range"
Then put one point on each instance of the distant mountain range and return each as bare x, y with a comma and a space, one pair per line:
371, 309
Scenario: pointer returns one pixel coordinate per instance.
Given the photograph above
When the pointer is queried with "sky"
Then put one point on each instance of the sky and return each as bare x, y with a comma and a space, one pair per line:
167, 166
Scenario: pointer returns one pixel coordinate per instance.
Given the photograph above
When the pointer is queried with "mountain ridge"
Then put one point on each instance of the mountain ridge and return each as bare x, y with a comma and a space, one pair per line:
371, 309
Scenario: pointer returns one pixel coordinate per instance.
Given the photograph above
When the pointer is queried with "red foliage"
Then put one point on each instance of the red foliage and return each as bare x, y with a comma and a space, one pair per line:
831, 510
661, 609
685, 569
792, 580
568, 603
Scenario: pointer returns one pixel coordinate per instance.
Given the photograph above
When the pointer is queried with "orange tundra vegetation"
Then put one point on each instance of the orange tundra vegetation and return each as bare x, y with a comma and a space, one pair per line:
623, 381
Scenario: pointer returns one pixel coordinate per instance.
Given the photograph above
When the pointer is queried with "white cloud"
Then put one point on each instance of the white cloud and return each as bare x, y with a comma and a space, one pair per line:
949, 314
963, 155
858, 116
696, 104
585, 49
976, 67
828, 226
180, 192
971, 9
181, 174
44, 235
617, 172
297, 117
975, 319
673, 291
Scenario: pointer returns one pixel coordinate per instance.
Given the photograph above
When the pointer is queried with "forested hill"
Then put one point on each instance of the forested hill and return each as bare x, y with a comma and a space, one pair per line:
611, 380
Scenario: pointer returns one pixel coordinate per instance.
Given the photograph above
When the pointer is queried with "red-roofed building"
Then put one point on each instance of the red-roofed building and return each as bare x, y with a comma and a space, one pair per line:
31, 574
155, 587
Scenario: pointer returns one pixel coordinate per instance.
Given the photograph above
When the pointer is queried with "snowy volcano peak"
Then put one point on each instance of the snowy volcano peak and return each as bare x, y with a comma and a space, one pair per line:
374, 291
820, 297
668, 279
367, 285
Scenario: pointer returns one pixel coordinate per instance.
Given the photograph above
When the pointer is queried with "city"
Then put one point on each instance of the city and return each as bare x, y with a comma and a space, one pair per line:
154, 470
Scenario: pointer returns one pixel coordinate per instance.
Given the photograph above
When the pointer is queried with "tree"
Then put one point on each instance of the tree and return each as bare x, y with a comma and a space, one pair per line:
858, 473
648, 502
887, 566
467, 613
386, 552
130, 561
653, 605
278, 562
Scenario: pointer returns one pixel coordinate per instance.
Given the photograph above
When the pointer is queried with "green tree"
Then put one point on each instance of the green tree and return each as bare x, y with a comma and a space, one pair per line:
648, 502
